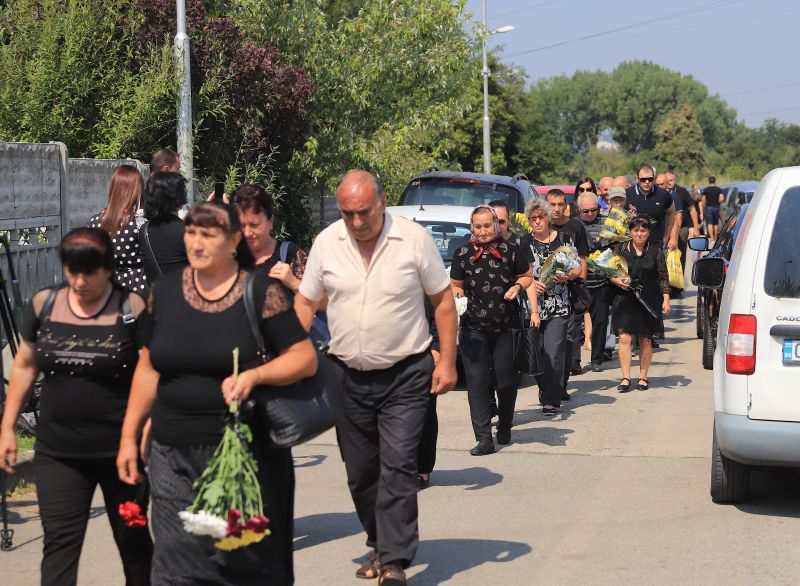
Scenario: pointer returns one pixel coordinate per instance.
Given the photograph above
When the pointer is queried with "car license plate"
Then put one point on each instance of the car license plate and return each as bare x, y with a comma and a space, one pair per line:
791, 351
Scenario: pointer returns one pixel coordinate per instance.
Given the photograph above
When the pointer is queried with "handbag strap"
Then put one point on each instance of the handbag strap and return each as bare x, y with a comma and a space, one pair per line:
284, 250
252, 316
146, 236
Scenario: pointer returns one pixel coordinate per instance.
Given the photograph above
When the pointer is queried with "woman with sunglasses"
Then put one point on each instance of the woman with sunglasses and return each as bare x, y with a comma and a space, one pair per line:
491, 273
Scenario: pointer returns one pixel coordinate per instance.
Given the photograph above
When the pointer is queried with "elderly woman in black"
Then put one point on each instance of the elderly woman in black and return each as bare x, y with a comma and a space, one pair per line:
194, 320
553, 305
491, 273
647, 268
82, 336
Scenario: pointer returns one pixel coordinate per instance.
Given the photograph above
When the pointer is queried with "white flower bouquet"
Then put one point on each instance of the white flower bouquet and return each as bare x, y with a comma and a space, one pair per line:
561, 261
612, 265
461, 304
228, 506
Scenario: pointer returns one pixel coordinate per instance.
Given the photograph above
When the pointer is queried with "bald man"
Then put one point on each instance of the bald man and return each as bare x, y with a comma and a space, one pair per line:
621, 181
378, 270
603, 186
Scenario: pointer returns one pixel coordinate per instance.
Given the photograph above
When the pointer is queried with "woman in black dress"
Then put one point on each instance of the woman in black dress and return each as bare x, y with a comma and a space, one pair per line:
161, 236
491, 273
647, 268
82, 337
194, 320
122, 218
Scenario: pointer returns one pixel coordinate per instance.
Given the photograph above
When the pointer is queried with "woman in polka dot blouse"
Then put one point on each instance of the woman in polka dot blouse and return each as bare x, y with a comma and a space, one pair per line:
122, 219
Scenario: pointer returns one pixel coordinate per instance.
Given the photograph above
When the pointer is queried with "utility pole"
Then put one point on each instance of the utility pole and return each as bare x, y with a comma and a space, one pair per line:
487, 139
184, 72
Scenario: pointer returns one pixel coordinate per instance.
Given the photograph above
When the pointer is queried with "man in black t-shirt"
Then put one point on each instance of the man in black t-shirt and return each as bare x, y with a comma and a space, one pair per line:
711, 200
655, 203
577, 233
689, 222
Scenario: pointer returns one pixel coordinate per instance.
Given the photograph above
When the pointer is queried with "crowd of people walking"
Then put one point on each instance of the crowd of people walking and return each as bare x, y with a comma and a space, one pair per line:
134, 348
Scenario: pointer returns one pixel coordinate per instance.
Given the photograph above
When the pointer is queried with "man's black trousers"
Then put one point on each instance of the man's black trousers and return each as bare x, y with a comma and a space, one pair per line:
379, 437
599, 311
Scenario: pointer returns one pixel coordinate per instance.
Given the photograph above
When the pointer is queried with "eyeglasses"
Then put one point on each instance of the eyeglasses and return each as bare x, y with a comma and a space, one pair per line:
647, 179
589, 211
532, 219
585, 190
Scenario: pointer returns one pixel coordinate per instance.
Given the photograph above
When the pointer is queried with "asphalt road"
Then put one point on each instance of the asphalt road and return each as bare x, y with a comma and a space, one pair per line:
614, 490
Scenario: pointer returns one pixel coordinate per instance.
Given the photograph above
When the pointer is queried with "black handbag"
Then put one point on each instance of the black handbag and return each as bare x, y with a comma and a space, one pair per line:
295, 413
526, 344
579, 297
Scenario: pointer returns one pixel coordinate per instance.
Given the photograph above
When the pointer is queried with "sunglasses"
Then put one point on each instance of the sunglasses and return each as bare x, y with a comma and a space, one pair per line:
502, 222
589, 211
585, 190
536, 218
647, 179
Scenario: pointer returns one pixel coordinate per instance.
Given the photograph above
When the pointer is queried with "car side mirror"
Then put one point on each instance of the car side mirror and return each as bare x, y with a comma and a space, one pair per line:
699, 243
708, 272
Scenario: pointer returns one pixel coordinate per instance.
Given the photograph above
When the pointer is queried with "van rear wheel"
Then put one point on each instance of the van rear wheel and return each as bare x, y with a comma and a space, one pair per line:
730, 480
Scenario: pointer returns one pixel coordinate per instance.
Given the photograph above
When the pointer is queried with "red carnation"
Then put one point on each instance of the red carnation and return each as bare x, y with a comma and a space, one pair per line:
257, 524
131, 513
234, 526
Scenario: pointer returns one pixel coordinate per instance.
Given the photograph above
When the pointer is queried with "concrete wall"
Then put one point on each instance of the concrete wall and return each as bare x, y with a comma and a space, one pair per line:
43, 195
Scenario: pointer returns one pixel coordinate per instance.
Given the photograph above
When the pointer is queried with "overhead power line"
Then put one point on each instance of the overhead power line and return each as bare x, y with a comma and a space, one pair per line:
627, 27
769, 112
525, 9
761, 89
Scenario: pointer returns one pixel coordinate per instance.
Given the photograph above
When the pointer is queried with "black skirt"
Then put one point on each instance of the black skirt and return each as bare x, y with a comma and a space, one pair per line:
184, 559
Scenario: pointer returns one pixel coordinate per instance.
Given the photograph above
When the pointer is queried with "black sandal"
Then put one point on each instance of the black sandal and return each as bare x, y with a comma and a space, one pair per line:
624, 388
371, 568
392, 574
643, 387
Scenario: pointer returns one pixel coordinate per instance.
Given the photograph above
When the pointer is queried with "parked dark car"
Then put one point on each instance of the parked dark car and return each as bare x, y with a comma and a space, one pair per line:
457, 188
709, 298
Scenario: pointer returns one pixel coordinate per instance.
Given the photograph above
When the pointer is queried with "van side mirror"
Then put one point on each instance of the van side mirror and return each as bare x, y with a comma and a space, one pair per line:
698, 243
708, 272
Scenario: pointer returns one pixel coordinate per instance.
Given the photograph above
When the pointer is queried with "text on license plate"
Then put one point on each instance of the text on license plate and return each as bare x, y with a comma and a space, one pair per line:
791, 351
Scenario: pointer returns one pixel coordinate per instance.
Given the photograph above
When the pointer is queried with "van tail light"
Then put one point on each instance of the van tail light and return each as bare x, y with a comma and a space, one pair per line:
740, 346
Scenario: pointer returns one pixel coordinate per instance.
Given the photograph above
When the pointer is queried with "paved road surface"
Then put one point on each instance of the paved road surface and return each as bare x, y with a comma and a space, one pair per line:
612, 491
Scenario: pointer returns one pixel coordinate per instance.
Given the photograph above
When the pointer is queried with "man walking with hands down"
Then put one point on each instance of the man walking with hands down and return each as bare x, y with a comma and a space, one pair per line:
377, 271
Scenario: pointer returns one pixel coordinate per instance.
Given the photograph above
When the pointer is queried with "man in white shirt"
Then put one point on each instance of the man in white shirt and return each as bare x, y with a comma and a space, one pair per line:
375, 270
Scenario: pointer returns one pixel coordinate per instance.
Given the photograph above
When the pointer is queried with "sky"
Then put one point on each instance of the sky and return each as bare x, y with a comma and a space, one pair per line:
746, 51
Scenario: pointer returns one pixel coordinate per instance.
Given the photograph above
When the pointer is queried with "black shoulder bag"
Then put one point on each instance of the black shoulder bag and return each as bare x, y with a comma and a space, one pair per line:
526, 343
295, 413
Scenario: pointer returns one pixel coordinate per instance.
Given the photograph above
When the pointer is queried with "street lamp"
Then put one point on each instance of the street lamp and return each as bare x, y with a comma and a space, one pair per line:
183, 69
487, 139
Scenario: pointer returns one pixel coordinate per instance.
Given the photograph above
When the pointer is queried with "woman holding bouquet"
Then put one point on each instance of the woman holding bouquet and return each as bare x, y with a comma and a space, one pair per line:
552, 300
491, 273
640, 316
194, 319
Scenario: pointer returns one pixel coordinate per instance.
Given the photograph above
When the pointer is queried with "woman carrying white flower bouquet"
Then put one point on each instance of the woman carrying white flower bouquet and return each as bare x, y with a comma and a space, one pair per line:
194, 319
554, 307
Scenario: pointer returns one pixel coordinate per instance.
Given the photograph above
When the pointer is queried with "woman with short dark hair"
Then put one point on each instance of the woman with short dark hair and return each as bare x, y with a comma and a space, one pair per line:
195, 318
161, 236
647, 268
81, 336
121, 219
282, 260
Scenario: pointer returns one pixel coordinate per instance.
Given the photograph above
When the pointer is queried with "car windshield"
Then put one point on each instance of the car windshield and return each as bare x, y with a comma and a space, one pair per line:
448, 237
458, 192
782, 274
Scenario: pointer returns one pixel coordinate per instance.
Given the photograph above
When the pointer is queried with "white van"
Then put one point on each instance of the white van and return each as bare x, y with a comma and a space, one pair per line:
757, 360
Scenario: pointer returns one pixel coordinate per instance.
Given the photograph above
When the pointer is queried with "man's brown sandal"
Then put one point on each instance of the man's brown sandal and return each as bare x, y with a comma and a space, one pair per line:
371, 568
392, 574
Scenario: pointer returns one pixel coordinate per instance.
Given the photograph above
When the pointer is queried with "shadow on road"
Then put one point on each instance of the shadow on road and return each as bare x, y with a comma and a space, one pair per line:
548, 436
474, 478
670, 382
773, 492
316, 529
309, 461
447, 557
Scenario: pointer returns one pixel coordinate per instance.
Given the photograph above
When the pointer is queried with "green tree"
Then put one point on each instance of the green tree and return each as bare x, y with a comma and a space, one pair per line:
680, 141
